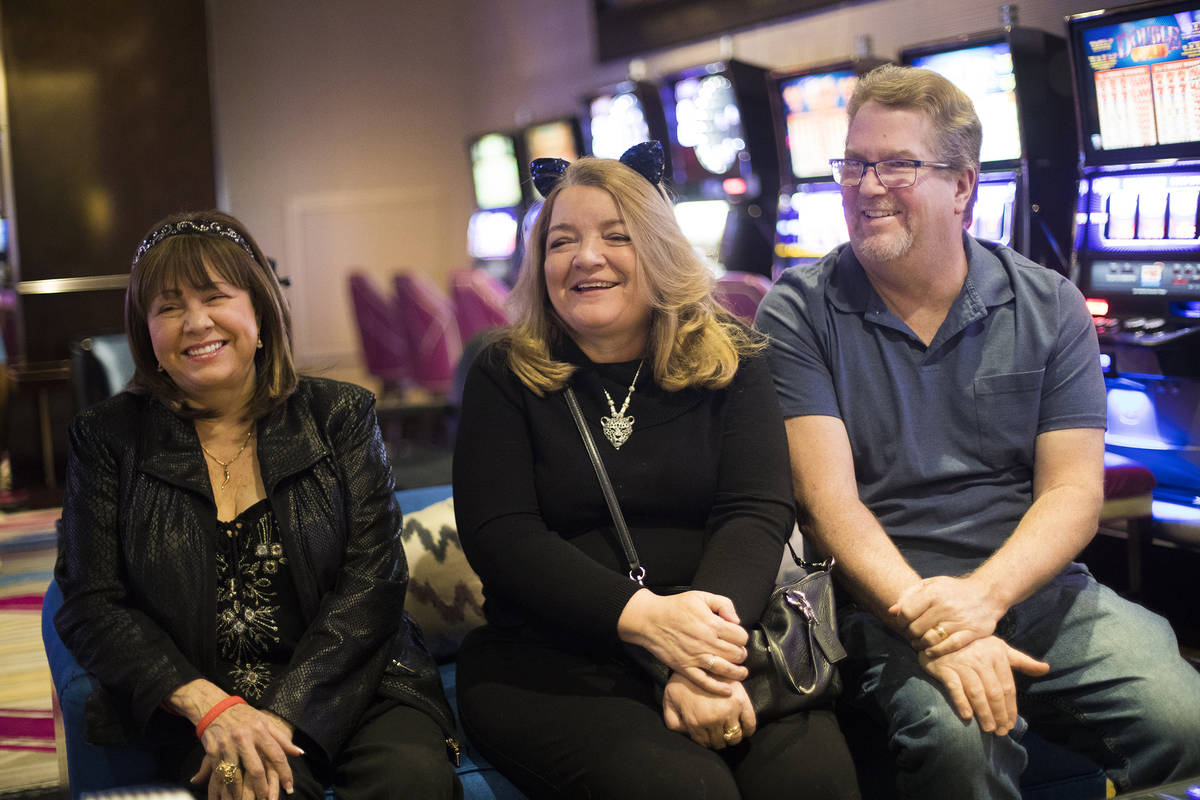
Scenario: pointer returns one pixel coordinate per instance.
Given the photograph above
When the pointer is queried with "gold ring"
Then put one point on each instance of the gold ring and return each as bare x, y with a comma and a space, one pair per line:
228, 771
941, 632
711, 660
732, 733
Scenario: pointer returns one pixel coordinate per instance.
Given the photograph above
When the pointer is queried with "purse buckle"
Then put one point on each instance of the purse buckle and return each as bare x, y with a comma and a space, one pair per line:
796, 598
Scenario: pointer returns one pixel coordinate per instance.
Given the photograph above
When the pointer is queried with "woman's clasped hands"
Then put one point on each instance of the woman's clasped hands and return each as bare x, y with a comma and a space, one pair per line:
711, 720
245, 755
245, 749
699, 637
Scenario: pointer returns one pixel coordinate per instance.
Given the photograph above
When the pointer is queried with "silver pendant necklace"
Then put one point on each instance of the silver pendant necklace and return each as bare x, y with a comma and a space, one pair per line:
618, 427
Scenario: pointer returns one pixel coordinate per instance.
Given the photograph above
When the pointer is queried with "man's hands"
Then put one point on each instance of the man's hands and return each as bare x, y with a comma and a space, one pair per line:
942, 614
694, 633
951, 623
712, 720
979, 680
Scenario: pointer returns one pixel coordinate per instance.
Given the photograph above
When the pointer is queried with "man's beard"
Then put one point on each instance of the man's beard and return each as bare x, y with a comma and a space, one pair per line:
884, 247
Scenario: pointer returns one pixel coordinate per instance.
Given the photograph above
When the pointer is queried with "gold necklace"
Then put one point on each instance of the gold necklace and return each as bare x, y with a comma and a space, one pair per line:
225, 464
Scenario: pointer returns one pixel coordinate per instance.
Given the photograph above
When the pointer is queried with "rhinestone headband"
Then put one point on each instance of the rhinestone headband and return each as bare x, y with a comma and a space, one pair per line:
202, 228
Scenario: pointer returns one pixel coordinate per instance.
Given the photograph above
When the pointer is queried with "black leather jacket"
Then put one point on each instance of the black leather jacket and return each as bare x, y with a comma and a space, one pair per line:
137, 561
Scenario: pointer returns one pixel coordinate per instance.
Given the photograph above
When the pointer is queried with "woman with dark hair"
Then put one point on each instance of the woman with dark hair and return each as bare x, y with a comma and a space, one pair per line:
230, 556
613, 303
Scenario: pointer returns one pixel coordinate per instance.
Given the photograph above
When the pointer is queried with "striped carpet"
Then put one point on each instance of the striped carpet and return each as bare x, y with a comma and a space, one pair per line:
27, 756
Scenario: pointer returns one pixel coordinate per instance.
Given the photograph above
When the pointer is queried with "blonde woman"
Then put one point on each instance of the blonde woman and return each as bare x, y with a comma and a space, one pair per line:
612, 302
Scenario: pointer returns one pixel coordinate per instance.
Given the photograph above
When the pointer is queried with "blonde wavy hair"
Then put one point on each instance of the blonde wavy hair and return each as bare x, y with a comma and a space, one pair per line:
693, 342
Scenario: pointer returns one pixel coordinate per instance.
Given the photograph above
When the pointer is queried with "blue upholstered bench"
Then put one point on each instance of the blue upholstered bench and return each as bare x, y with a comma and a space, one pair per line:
444, 597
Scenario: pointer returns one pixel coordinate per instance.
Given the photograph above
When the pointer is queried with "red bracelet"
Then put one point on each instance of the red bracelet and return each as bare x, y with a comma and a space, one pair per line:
215, 712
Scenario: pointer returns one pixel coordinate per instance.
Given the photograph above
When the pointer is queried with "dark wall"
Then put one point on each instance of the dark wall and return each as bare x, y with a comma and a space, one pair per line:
111, 129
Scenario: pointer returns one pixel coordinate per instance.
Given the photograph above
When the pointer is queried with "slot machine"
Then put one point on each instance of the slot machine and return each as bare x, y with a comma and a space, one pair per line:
499, 204
556, 138
1137, 252
1018, 79
618, 117
724, 169
809, 107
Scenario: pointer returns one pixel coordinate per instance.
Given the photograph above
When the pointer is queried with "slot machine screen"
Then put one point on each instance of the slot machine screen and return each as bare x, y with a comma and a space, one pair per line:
495, 171
1137, 75
814, 111
492, 234
708, 126
556, 139
994, 210
1149, 212
618, 122
703, 225
811, 222
985, 73
1140, 229
552, 140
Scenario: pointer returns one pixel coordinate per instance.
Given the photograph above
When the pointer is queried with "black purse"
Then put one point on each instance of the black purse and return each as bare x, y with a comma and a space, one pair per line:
793, 650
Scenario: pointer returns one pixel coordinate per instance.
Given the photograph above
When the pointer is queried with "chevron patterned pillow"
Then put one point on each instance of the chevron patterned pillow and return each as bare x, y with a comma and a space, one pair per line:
445, 596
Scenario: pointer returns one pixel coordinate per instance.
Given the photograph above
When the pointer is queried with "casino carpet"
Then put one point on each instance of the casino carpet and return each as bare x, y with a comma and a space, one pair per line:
28, 763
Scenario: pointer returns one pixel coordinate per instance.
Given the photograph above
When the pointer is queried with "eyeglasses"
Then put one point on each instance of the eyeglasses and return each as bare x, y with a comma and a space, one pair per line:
895, 173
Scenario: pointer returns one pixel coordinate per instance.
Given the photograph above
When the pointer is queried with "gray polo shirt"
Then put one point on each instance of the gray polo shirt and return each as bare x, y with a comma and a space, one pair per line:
943, 435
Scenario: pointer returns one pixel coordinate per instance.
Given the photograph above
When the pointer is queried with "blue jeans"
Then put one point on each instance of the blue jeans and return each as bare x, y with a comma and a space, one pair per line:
1117, 691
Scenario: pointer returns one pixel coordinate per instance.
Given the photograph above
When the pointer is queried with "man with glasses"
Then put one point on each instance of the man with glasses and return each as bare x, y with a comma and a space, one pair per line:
945, 415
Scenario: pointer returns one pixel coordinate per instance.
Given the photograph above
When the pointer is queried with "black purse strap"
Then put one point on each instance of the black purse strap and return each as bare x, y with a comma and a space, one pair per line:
637, 573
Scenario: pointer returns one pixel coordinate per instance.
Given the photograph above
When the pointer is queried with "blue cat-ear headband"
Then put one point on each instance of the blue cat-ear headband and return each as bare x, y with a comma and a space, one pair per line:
646, 159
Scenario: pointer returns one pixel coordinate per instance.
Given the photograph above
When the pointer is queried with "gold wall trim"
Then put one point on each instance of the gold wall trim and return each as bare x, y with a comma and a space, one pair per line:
91, 283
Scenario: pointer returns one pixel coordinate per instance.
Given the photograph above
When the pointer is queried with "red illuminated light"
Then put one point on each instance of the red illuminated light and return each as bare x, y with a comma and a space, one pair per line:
734, 186
1097, 306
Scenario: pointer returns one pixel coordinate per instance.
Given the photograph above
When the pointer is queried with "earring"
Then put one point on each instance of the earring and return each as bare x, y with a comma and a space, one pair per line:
259, 345
160, 368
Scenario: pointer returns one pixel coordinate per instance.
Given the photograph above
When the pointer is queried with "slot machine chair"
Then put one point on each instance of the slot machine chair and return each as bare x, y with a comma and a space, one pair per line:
382, 334
1128, 494
433, 339
478, 302
100, 367
739, 293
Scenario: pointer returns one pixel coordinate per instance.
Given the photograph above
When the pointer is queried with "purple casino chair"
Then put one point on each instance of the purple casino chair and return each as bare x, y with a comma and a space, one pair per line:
741, 292
428, 316
478, 302
384, 338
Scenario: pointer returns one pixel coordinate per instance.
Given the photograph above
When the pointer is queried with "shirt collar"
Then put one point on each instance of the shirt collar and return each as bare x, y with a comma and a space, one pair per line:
987, 284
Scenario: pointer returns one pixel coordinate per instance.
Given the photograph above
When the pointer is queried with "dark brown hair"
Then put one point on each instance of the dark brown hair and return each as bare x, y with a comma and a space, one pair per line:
185, 258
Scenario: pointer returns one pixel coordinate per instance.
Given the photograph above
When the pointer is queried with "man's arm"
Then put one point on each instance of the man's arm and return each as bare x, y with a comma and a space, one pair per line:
836, 520
1068, 489
978, 678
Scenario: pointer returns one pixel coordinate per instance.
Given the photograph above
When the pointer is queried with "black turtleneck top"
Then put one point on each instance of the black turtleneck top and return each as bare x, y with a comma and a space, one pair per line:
704, 483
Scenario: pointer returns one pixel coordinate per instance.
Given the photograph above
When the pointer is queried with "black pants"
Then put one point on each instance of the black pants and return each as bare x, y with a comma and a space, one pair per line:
562, 723
397, 752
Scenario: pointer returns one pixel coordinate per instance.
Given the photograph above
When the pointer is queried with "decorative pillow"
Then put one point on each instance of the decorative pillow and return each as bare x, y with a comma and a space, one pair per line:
445, 596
